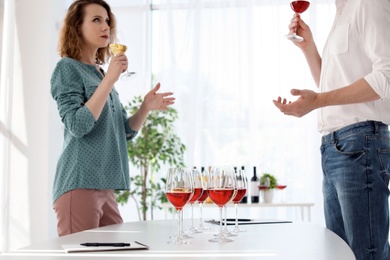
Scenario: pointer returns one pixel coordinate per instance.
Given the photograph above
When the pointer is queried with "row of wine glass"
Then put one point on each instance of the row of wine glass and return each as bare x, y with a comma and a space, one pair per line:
220, 184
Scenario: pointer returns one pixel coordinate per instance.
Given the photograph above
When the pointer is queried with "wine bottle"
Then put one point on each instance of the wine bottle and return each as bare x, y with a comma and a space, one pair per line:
245, 198
254, 187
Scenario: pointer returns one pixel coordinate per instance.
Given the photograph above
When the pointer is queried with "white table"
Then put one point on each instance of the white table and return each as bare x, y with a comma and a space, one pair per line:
304, 207
303, 241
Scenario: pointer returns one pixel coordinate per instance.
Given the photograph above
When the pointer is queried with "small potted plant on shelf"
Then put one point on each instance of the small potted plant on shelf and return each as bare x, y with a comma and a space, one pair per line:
267, 185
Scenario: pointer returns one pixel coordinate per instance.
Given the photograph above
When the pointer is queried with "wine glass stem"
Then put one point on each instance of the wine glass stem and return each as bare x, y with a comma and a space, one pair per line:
220, 221
225, 216
296, 28
180, 228
235, 205
192, 215
201, 213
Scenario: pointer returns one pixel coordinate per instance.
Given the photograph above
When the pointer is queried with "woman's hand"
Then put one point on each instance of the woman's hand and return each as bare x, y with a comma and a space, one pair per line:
118, 65
157, 101
152, 101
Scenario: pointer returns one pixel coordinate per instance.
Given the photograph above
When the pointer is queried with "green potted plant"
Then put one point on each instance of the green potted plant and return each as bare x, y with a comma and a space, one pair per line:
155, 145
268, 183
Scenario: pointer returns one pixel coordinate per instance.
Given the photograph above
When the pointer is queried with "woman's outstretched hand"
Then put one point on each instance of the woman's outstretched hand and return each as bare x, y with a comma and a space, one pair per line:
158, 101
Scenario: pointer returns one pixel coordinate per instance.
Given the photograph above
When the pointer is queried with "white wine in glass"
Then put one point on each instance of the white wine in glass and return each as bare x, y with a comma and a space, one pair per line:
117, 48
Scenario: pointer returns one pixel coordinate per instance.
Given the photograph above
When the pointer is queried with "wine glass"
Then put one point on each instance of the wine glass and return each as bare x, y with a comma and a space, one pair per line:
117, 48
179, 189
205, 176
225, 230
281, 185
241, 191
221, 187
264, 185
298, 6
198, 186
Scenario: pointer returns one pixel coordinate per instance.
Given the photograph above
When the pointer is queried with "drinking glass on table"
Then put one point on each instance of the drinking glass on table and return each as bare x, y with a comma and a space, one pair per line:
179, 189
205, 176
298, 6
198, 187
225, 230
241, 185
221, 187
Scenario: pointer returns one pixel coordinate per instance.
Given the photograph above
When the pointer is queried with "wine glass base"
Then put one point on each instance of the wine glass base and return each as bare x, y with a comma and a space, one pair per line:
202, 228
179, 242
220, 239
294, 37
238, 230
192, 231
229, 233
128, 75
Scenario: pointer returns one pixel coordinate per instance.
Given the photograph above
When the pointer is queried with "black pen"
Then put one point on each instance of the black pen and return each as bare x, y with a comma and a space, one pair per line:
106, 244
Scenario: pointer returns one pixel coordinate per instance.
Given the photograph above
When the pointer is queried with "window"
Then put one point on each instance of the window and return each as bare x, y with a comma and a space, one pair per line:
226, 61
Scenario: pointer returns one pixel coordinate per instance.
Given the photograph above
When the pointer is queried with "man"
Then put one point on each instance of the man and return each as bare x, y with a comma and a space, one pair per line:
353, 115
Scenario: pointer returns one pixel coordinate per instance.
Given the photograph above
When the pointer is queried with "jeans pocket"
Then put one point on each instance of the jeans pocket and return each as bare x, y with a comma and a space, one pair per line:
351, 145
384, 159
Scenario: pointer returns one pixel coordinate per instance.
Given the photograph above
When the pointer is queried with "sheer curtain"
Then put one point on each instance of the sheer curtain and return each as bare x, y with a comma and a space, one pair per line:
226, 61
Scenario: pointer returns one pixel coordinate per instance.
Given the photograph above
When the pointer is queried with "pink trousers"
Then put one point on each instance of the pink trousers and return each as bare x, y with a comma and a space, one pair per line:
83, 209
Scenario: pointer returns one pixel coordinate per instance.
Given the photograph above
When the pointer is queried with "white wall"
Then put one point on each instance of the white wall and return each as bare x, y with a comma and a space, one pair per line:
31, 124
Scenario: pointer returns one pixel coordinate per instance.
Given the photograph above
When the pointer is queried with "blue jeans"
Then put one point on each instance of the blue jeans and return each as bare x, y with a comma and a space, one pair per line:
356, 171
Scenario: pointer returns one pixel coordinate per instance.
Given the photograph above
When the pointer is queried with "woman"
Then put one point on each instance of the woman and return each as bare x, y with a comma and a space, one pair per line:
94, 159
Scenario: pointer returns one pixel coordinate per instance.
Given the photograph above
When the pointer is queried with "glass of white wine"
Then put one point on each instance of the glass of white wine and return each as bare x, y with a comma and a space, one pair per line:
117, 48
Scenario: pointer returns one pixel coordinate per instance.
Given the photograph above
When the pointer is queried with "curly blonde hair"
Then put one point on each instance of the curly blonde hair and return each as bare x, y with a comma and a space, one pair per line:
69, 44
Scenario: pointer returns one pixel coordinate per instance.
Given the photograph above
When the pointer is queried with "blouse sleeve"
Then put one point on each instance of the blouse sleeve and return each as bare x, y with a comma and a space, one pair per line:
67, 89
130, 133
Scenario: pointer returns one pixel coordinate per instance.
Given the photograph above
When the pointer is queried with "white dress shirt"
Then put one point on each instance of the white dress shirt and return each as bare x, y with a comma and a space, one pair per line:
358, 47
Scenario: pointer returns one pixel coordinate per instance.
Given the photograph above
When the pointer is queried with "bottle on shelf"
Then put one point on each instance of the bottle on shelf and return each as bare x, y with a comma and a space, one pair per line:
245, 198
254, 190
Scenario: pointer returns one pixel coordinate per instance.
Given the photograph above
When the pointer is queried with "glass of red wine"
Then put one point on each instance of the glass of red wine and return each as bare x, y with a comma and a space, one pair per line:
205, 176
198, 186
241, 185
281, 185
263, 186
221, 185
298, 6
179, 189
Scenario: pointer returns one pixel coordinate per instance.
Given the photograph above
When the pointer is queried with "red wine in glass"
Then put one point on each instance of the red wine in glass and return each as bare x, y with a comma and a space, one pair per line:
221, 196
281, 187
178, 198
240, 194
263, 187
179, 190
299, 7
204, 196
221, 186
197, 193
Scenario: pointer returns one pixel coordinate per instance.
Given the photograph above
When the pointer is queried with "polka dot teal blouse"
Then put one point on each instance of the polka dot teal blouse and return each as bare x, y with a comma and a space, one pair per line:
94, 154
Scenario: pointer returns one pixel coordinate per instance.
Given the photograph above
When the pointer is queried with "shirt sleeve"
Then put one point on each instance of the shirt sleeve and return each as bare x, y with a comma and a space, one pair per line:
373, 22
67, 89
130, 133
